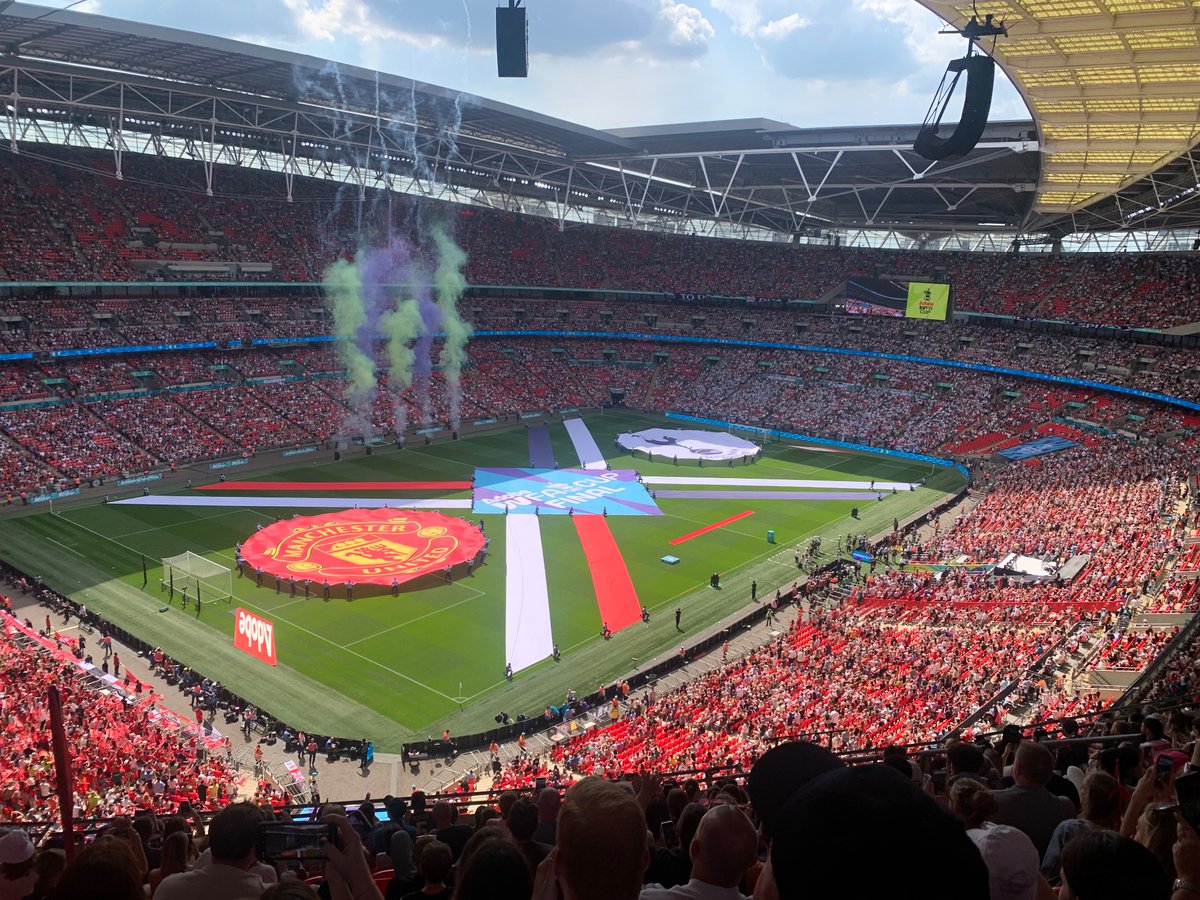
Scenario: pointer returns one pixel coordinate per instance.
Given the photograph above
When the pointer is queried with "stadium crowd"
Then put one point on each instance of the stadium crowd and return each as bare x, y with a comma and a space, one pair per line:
125, 416
1002, 819
161, 223
928, 645
127, 754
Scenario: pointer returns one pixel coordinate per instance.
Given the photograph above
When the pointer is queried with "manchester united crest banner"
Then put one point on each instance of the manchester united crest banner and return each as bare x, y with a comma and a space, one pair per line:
363, 546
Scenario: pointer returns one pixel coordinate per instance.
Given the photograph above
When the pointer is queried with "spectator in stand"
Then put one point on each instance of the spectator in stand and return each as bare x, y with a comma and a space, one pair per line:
289, 890
493, 868
106, 869
1103, 865
549, 802
1100, 809
231, 839
722, 851
347, 871
781, 772
522, 823
405, 878
867, 831
601, 852
17, 875
449, 831
1009, 855
1028, 805
176, 848
49, 866
435, 862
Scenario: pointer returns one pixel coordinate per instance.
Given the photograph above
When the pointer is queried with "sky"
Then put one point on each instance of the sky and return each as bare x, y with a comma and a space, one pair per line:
618, 63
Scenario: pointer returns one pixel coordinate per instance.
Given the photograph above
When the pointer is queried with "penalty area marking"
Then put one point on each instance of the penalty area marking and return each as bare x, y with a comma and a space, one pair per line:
713, 527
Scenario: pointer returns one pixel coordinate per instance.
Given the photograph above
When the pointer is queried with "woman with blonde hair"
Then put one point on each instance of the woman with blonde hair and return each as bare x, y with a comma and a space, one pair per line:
1099, 810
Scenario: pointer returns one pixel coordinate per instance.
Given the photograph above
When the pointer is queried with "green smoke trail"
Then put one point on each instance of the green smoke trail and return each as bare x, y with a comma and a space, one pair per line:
449, 283
344, 300
401, 326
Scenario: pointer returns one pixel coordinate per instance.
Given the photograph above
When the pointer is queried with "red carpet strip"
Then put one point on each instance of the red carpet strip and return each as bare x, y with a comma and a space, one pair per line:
713, 527
336, 486
615, 595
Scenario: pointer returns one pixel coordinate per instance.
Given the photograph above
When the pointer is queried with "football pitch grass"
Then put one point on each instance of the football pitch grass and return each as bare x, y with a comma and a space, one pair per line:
397, 669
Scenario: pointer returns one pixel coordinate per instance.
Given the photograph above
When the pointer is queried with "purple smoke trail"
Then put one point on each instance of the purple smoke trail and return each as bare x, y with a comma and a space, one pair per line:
388, 265
376, 268
423, 364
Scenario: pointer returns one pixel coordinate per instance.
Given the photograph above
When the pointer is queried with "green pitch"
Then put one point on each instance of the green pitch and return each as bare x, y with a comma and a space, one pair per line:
395, 669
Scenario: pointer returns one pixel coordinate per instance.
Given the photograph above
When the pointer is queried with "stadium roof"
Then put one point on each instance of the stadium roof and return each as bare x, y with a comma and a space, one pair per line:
1114, 86
97, 81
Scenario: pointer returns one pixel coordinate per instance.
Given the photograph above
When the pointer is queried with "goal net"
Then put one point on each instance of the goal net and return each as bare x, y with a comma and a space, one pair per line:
198, 577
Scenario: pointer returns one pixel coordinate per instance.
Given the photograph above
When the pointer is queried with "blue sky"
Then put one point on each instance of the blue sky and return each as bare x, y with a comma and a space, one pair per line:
614, 63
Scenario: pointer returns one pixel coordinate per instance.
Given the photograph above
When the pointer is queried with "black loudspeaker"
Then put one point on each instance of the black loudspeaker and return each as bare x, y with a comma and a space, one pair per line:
981, 77
512, 41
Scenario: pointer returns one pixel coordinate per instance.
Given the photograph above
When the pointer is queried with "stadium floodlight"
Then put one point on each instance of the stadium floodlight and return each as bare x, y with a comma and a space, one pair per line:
977, 103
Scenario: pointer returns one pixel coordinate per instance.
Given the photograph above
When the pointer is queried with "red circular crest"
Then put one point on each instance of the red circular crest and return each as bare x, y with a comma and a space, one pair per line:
363, 546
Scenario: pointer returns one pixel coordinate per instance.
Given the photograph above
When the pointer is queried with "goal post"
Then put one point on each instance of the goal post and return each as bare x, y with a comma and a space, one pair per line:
197, 578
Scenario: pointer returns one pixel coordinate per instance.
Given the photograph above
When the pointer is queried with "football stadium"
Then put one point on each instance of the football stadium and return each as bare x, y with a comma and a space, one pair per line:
392, 475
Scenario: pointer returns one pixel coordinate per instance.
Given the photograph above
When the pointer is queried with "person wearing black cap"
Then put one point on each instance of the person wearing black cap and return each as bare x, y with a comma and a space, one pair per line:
782, 771
867, 831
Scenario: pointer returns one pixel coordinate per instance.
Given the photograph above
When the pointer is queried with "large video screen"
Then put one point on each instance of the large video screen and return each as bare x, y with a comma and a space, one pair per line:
902, 299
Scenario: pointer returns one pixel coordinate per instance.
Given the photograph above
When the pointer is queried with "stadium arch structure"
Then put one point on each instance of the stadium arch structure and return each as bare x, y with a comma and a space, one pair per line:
1108, 160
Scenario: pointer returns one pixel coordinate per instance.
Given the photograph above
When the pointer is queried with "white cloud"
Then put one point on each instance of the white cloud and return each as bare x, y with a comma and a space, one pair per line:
745, 14
330, 20
781, 28
685, 26
920, 27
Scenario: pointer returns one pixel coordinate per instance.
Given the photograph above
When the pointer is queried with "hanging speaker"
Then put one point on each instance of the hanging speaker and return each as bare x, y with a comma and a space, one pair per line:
981, 77
512, 42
